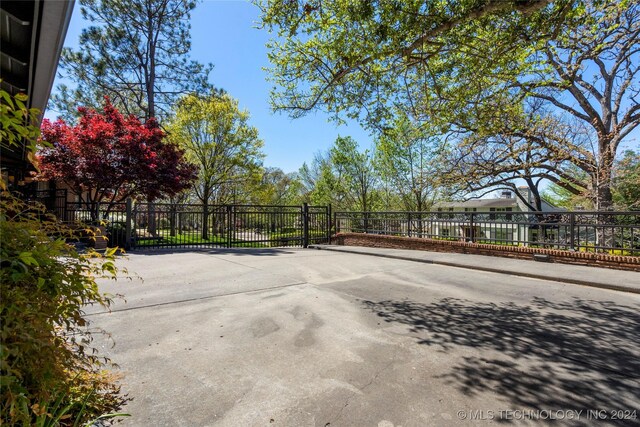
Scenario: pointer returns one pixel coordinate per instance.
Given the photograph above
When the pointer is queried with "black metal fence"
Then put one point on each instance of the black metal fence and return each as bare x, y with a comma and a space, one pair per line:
196, 225
144, 225
616, 233
55, 201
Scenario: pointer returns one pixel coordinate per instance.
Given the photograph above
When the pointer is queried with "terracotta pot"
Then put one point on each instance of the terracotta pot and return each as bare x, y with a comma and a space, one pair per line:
101, 240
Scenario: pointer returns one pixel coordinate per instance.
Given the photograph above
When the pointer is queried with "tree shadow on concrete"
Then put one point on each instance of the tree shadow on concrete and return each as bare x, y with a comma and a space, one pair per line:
580, 354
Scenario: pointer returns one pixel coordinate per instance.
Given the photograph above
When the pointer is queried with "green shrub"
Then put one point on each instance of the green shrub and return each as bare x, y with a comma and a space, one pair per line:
46, 358
117, 234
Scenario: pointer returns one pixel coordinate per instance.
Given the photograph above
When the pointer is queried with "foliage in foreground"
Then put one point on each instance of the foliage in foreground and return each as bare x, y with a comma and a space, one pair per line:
13, 116
50, 374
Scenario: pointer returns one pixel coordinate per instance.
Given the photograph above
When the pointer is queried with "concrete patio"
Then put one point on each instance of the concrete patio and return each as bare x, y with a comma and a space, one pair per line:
295, 337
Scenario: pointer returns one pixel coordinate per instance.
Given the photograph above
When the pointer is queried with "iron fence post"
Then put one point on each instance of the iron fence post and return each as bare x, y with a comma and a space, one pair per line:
329, 224
64, 206
305, 225
572, 237
229, 225
128, 222
408, 224
472, 233
366, 223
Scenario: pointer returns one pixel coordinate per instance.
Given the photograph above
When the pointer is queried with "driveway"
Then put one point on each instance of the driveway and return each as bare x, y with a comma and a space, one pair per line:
294, 337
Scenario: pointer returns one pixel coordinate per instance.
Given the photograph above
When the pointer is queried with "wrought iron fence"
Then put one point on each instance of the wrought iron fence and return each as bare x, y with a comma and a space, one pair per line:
53, 200
93, 213
154, 225
319, 227
616, 233
196, 225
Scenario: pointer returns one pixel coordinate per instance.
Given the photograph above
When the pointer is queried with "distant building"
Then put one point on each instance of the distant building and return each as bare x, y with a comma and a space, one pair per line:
507, 202
497, 219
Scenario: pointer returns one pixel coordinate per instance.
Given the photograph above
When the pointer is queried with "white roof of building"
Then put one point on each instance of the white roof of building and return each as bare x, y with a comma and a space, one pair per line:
513, 202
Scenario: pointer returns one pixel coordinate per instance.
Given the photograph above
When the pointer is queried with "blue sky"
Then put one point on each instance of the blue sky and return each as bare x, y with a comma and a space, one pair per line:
224, 34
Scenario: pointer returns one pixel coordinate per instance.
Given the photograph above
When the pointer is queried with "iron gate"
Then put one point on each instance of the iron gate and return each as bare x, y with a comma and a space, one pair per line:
229, 226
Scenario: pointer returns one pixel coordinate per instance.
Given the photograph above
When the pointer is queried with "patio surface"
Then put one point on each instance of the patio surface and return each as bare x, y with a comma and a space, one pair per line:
295, 337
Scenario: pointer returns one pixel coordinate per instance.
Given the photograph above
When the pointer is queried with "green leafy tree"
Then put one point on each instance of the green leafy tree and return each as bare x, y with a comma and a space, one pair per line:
279, 188
218, 139
244, 188
135, 52
309, 173
626, 181
357, 177
406, 156
330, 188
448, 62
361, 57
560, 197
320, 183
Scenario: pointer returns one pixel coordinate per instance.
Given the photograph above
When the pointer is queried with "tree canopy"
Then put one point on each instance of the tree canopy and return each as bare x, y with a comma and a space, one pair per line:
278, 188
217, 137
464, 65
135, 52
626, 181
107, 157
406, 158
364, 57
357, 178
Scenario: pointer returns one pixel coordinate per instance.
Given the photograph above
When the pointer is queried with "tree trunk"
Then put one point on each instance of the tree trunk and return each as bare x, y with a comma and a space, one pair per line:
205, 220
537, 200
151, 223
604, 198
95, 212
206, 196
150, 77
419, 207
366, 214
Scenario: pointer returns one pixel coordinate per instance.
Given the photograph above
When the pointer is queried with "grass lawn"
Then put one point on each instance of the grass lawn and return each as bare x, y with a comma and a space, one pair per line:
292, 238
190, 239
298, 234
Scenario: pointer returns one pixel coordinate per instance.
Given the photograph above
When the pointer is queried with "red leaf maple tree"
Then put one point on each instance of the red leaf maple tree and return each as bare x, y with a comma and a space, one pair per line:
107, 157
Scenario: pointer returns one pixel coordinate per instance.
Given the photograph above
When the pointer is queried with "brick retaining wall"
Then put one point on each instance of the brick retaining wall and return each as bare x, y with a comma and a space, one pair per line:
522, 252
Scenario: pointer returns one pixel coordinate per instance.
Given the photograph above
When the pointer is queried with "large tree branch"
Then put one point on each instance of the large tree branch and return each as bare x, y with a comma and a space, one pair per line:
624, 85
591, 113
577, 191
560, 105
484, 9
